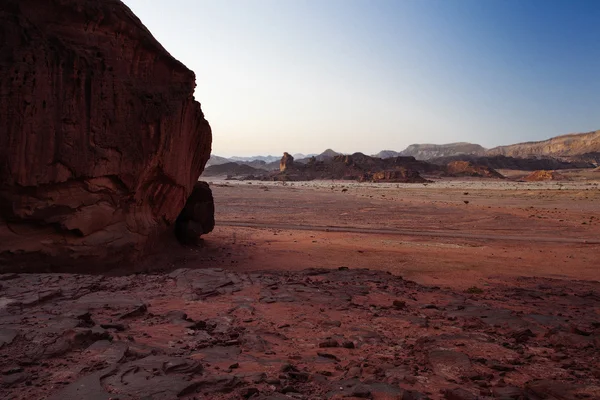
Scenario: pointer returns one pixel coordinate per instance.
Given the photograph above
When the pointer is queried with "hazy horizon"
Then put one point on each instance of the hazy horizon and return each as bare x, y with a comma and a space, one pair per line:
356, 75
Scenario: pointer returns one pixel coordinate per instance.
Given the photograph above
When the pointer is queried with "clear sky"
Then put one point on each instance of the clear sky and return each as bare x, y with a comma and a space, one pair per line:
367, 75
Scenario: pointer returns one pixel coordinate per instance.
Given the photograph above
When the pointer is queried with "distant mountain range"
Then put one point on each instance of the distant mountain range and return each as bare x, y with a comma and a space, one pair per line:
429, 151
581, 148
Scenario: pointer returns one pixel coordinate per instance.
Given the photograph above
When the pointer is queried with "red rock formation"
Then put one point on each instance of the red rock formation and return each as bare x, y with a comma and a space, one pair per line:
543, 175
401, 175
287, 161
101, 140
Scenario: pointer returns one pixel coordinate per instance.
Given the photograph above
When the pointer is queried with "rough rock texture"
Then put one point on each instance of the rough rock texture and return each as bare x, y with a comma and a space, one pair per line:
545, 176
101, 140
428, 151
221, 334
566, 145
467, 168
287, 161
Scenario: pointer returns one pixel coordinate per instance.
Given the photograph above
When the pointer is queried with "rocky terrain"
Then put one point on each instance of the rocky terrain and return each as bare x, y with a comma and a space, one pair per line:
357, 167
353, 167
559, 146
102, 140
312, 334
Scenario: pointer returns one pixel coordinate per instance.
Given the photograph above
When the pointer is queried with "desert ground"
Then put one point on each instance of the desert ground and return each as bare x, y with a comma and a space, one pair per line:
456, 289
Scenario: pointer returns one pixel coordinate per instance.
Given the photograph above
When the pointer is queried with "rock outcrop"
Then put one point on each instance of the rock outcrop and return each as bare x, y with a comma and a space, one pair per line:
101, 140
559, 146
467, 168
287, 162
356, 166
543, 175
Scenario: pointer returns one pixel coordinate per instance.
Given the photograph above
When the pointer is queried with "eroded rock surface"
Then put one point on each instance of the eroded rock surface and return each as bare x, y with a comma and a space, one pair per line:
312, 334
101, 140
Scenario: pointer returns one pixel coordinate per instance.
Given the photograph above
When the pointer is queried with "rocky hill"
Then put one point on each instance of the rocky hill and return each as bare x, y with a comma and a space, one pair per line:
387, 154
428, 151
361, 167
232, 170
559, 146
351, 167
216, 160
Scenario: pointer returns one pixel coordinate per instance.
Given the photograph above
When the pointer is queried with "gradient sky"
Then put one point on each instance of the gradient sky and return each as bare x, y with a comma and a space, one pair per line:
367, 75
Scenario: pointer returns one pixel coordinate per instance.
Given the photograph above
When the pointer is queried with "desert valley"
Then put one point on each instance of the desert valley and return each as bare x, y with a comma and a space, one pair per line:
135, 264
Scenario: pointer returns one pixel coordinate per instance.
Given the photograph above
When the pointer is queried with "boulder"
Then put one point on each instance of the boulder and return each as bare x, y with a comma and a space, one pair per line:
101, 140
198, 215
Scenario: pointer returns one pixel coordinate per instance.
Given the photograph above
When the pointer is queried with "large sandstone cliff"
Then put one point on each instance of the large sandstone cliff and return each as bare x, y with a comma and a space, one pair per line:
559, 146
101, 140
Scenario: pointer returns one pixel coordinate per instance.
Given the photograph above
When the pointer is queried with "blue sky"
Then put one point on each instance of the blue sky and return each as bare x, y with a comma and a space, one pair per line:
367, 75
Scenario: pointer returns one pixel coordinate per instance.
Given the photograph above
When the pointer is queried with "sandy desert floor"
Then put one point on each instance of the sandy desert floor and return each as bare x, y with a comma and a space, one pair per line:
458, 289
428, 233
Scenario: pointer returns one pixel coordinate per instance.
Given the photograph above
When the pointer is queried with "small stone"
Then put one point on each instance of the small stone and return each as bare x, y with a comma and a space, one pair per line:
249, 392
399, 304
329, 343
327, 355
289, 389
361, 391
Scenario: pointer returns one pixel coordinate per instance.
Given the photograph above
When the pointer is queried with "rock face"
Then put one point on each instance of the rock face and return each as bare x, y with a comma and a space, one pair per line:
428, 151
287, 161
101, 141
565, 145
